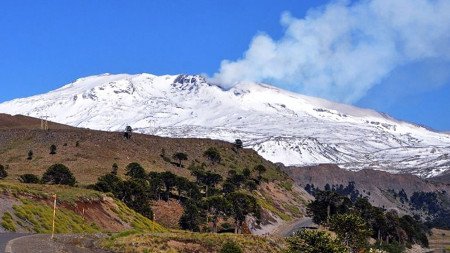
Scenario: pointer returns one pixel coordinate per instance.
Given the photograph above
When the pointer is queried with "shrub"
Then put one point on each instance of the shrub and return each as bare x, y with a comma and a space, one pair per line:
3, 172
58, 174
53, 149
238, 144
114, 169
30, 155
29, 179
308, 241
8, 222
231, 247
213, 155
180, 157
135, 170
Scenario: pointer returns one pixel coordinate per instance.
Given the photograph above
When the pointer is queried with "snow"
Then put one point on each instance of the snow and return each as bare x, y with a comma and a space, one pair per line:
282, 126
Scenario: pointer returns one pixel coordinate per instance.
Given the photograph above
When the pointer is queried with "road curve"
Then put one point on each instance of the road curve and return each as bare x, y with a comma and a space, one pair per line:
5, 238
289, 228
42, 243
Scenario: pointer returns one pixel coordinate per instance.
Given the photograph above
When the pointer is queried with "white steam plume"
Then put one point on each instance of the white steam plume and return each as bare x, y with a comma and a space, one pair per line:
343, 49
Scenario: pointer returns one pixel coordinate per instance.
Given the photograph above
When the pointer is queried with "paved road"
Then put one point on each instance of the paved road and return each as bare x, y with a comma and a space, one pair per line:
39, 243
290, 228
5, 238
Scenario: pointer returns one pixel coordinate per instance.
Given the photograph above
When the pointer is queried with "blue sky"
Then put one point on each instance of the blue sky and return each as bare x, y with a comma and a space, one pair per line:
45, 44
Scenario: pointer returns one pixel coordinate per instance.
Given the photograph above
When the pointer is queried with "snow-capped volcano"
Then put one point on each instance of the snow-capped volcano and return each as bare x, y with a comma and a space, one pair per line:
281, 126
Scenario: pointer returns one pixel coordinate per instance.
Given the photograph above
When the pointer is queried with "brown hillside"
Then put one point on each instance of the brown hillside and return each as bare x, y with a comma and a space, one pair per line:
23, 122
90, 154
373, 181
96, 151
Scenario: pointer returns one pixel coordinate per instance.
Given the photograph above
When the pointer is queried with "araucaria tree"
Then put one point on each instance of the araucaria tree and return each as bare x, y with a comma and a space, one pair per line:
135, 170
241, 206
58, 174
114, 169
128, 132
213, 155
52, 149
217, 207
310, 241
180, 157
3, 172
30, 155
238, 144
351, 229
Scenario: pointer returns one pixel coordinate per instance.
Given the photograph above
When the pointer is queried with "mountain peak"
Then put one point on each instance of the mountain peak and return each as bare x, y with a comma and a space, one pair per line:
282, 126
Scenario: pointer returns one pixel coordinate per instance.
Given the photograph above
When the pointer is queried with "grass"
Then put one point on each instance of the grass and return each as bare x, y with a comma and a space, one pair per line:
138, 222
34, 212
287, 185
37, 217
269, 206
8, 222
64, 193
178, 241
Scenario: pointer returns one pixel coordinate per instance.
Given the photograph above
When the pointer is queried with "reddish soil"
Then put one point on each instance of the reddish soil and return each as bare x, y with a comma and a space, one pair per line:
168, 213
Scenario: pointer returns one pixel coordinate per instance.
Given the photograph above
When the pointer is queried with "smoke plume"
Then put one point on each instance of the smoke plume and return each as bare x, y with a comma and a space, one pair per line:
343, 49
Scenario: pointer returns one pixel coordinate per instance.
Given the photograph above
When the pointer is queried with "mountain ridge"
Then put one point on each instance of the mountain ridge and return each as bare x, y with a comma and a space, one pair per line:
280, 125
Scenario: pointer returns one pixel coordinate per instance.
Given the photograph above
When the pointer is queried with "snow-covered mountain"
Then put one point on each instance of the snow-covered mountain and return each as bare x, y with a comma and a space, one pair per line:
281, 126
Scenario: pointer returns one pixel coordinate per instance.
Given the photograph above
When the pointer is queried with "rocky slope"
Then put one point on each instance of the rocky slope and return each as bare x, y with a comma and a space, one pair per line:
378, 186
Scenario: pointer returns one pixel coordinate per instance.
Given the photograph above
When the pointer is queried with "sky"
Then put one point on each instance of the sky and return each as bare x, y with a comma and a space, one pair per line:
391, 56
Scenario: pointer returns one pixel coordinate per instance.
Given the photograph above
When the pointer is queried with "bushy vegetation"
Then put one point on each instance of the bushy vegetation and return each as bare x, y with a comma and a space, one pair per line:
58, 174
53, 149
354, 222
182, 241
8, 222
39, 216
203, 200
350, 190
230, 247
29, 179
3, 172
307, 241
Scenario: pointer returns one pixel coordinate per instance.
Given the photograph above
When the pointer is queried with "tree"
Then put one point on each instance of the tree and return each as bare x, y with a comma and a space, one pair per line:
128, 132
191, 218
109, 183
251, 185
351, 229
180, 157
169, 181
308, 241
30, 155
217, 207
135, 195
58, 174
3, 172
207, 179
114, 169
213, 155
415, 230
327, 204
235, 179
246, 173
29, 179
135, 170
241, 206
52, 149
260, 169
238, 144
156, 184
